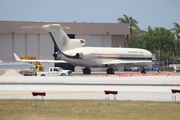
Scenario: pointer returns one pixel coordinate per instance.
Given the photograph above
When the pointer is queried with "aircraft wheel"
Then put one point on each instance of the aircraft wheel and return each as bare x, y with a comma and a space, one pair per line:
86, 71
112, 71
63, 74
108, 71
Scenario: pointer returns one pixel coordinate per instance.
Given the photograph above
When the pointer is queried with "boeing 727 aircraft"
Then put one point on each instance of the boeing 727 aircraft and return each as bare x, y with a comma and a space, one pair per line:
71, 50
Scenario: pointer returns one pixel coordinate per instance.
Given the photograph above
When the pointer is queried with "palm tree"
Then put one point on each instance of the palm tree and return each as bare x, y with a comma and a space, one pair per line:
176, 29
132, 22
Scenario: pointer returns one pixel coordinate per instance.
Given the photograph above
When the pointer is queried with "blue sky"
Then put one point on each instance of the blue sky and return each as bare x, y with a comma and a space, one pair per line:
156, 13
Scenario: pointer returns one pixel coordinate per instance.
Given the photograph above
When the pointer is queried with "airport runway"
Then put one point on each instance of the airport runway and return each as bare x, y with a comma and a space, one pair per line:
153, 88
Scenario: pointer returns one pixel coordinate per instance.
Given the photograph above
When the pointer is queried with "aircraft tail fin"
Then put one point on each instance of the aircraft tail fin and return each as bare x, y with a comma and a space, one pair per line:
61, 40
59, 37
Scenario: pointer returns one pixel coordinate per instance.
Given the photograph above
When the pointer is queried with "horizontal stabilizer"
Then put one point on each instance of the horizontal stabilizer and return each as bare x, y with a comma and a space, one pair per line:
32, 26
43, 26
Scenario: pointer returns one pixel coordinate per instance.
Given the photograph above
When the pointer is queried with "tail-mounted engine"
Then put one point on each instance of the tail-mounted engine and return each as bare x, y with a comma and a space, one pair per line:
79, 55
86, 55
57, 55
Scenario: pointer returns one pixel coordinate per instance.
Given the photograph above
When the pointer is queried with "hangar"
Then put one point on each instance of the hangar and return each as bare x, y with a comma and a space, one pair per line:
37, 41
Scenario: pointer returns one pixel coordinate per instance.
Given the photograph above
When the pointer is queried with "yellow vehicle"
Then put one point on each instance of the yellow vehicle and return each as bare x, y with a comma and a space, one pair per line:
37, 65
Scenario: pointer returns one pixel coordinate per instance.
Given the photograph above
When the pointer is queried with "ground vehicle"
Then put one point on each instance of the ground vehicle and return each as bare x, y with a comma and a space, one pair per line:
55, 71
28, 72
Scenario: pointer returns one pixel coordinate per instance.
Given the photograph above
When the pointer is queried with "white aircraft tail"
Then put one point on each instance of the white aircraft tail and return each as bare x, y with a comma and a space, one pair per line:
60, 38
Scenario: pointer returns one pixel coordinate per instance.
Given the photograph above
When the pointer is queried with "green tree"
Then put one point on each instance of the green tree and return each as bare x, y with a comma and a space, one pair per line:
133, 38
176, 30
132, 22
160, 41
132, 41
176, 49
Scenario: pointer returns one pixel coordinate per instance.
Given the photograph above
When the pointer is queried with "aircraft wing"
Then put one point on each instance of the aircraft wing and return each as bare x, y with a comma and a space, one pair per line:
43, 61
124, 62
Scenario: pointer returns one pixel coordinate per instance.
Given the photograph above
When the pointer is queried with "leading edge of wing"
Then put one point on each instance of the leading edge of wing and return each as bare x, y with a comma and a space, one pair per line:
43, 61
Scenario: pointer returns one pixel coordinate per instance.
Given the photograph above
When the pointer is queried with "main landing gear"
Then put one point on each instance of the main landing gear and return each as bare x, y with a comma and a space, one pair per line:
86, 70
110, 71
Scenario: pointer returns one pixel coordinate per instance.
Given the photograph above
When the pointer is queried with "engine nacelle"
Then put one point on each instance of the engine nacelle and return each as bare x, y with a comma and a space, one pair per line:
57, 55
79, 55
86, 55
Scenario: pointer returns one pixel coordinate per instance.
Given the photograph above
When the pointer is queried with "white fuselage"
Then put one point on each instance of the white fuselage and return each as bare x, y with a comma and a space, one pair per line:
98, 56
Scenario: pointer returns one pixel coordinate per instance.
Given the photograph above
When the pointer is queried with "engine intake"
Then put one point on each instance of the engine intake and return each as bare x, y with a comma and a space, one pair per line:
86, 55
57, 55
79, 55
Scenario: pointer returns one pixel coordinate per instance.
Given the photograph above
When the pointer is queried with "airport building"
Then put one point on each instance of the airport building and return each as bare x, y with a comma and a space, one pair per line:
37, 42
